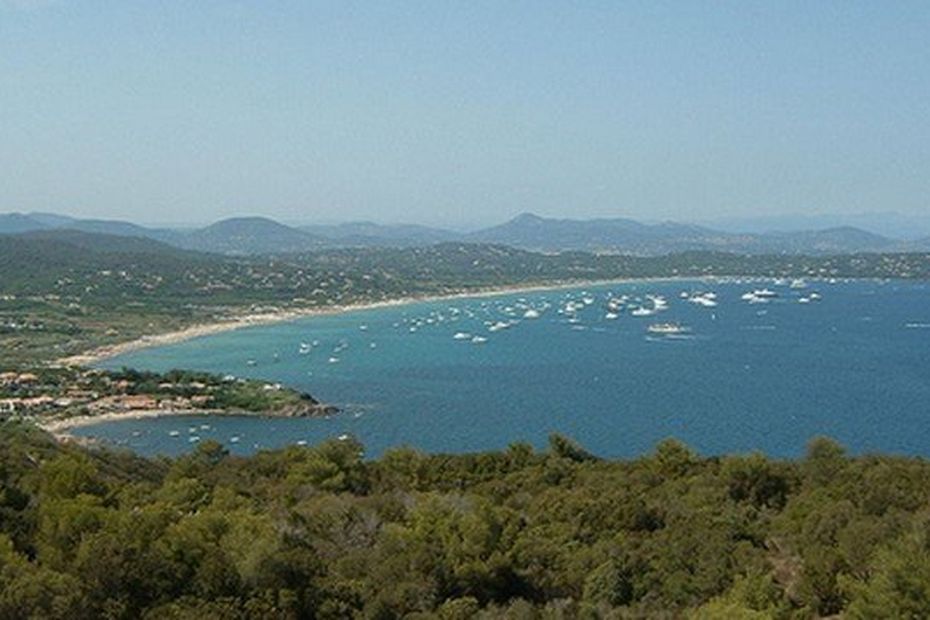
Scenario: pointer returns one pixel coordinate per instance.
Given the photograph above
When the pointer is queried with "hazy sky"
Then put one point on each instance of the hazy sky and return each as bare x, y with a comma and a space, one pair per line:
462, 112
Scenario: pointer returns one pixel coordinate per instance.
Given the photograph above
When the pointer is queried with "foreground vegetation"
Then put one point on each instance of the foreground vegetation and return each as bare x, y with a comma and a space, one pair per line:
322, 533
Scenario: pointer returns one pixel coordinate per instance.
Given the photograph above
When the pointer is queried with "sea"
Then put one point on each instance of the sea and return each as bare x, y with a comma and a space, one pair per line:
723, 365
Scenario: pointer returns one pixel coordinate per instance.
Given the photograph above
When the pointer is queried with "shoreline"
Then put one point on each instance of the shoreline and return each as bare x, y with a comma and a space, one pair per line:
60, 427
99, 354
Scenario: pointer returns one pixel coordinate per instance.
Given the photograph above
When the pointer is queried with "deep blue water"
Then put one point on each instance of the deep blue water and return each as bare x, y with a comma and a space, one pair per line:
854, 365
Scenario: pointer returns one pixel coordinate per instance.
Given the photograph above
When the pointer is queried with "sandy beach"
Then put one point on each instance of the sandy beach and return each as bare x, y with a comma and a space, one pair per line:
266, 318
62, 425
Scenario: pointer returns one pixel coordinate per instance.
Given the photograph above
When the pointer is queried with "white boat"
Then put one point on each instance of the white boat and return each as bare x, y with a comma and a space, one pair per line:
174, 433
234, 439
531, 314
499, 325
479, 340
333, 360
667, 329
703, 300
798, 283
643, 312
461, 336
610, 316
754, 298
765, 293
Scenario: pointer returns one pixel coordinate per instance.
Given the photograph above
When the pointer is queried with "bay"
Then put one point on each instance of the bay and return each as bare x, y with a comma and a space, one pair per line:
768, 376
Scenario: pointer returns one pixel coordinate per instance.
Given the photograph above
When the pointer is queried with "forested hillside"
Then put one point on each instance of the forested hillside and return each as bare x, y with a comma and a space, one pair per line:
322, 533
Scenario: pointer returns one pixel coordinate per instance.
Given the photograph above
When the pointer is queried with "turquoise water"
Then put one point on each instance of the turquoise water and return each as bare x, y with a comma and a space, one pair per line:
854, 365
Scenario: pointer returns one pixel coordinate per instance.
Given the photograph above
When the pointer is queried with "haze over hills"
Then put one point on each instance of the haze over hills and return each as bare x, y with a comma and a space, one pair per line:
18, 222
259, 235
372, 234
250, 235
887, 224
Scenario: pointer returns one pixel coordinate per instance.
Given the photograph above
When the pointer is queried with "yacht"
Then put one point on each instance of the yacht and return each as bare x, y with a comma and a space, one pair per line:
658, 301
667, 329
707, 300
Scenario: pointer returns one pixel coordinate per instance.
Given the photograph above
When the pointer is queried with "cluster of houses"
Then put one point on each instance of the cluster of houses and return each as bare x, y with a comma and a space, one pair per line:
28, 398
9, 406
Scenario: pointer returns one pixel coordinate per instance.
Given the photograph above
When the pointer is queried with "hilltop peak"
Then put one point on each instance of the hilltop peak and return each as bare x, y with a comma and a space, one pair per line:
528, 218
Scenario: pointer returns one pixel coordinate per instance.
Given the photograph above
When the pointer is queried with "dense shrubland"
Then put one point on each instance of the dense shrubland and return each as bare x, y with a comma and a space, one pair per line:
322, 532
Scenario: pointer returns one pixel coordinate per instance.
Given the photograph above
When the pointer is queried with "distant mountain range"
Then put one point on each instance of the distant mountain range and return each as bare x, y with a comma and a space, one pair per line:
888, 224
259, 235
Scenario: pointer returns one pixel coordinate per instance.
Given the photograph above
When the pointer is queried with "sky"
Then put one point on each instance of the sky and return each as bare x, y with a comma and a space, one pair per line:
463, 113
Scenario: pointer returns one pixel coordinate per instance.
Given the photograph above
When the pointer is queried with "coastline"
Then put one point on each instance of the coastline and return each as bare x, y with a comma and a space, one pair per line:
233, 323
60, 427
